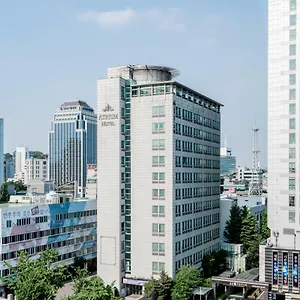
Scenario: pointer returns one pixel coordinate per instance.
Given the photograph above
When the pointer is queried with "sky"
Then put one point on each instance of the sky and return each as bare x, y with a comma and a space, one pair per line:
52, 51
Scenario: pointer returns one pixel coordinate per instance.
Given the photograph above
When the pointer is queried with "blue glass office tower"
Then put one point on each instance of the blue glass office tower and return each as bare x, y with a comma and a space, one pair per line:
72, 144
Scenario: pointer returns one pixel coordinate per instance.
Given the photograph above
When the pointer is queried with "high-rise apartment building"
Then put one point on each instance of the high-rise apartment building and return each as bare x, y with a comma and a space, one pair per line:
159, 156
21, 155
279, 258
72, 144
36, 169
1, 151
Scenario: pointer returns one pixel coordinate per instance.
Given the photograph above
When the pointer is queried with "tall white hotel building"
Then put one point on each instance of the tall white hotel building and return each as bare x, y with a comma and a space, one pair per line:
158, 188
279, 257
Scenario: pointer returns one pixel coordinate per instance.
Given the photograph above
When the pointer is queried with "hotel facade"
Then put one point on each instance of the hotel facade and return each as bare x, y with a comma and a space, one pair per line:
159, 156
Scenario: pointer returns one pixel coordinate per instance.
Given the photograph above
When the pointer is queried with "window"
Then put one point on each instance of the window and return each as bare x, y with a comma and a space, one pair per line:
292, 94
292, 167
158, 127
158, 248
292, 138
158, 161
292, 50
292, 200
291, 216
154, 193
162, 177
292, 108
292, 20
293, 64
8, 223
122, 112
292, 79
158, 177
158, 111
293, 35
293, 5
158, 144
123, 129
158, 193
158, 210
158, 267
158, 228
292, 153
292, 124
292, 183
161, 194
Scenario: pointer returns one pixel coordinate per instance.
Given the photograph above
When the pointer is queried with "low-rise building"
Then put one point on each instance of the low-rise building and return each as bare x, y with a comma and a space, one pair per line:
35, 169
40, 186
57, 221
236, 259
91, 182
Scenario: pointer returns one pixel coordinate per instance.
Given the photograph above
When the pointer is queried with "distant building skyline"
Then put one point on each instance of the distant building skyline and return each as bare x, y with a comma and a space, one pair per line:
72, 144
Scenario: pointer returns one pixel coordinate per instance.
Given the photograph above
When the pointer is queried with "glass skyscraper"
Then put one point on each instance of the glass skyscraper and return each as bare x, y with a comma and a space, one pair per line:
72, 144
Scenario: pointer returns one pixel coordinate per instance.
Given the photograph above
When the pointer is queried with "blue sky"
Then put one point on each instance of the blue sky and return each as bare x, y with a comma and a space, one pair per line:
52, 51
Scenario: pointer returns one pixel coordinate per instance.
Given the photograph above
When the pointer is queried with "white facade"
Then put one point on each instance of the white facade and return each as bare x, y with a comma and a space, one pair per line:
20, 161
158, 152
1, 151
284, 122
35, 169
91, 182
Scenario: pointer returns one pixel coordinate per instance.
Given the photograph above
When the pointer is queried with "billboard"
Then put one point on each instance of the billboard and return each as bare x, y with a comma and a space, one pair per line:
295, 270
275, 269
285, 269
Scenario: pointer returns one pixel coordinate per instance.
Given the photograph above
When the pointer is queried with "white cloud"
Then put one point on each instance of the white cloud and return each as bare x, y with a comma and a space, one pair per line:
108, 19
167, 20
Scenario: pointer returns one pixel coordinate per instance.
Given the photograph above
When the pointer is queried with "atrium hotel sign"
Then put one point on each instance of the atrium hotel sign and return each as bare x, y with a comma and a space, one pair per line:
108, 118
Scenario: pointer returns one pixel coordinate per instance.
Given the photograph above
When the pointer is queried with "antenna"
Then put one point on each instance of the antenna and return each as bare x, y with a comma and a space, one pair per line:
255, 187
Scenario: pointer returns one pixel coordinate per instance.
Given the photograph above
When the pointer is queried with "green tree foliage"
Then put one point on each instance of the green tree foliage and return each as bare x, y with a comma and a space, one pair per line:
19, 186
249, 230
8, 156
214, 264
186, 279
244, 212
264, 229
160, 289
252, 260
38, 154
91, 288
232, 232
36, 279
4, 196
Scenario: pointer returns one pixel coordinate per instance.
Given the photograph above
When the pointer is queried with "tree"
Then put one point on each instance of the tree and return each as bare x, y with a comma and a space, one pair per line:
91, 288
244, 212
36, 278
38, 154
252, 260
160, 289
19, 186
186, 279
232, 232
4, 196
265, 231
249, 230
214, 264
